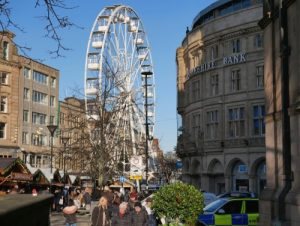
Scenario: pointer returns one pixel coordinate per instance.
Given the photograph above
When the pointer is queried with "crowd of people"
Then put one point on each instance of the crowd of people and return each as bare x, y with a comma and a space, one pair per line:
112, 209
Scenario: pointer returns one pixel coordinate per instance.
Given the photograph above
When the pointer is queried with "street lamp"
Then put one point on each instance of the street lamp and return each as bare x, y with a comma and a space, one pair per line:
146, 74
64, 140
51, 129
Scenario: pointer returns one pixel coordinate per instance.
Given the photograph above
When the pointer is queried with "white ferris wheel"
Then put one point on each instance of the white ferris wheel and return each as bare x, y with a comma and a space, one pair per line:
119, 80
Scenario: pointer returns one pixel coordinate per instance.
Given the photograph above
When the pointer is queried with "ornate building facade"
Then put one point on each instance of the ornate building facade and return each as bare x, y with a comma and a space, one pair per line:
280, 201
221, 104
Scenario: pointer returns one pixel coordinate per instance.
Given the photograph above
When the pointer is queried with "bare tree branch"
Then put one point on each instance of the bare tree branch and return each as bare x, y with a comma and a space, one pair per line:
54, 23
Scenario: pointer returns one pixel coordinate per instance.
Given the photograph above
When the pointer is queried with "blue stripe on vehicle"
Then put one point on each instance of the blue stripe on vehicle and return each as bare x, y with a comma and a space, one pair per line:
208, 219
239, 219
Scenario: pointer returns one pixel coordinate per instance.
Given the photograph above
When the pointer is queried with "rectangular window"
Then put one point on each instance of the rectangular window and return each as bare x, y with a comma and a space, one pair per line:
52, 101
3, 78
40, 77
260, 76
26, 72
236, 46
258, 41
252, 206
53, 82
212, 124
2, 130
26, 94
38, 118
196, 127
25, 116
195, 90
38, 139
214, 85
214, 52
3, 104
39, 97
62, 117
5, 50
258, 120
236, 122
235, 80
52, 118
25, 138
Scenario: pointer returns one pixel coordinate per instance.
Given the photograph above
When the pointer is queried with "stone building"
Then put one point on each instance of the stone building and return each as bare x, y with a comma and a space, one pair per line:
73, 125
280, 201
221, 104
29, 100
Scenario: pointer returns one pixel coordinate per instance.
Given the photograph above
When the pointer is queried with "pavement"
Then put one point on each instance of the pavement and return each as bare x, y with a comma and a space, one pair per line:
57, 219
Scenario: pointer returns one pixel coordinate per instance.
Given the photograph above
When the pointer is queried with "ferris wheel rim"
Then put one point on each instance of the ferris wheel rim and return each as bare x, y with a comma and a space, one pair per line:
105, 39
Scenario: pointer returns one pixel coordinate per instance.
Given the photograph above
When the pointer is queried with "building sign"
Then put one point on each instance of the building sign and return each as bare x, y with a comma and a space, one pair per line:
243, 169
235, 59
135, 177
202, 68
136, 165
227, 60
21, 176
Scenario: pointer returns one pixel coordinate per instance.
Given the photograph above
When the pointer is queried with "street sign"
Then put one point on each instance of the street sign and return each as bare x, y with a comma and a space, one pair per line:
179, 164
135, 177
122, 179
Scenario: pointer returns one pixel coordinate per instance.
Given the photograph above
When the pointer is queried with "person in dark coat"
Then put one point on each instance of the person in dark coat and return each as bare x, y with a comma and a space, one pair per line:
123, 218
139, 215
101, 215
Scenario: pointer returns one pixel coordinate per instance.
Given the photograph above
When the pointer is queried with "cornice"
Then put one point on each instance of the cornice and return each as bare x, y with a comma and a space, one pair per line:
10, 63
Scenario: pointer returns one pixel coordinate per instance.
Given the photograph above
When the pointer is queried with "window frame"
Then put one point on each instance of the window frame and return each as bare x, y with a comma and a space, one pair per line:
5, 81
3, 104
236, 122
2, 130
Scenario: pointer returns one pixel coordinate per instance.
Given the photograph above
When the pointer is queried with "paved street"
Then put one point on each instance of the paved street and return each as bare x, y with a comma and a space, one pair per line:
57, 219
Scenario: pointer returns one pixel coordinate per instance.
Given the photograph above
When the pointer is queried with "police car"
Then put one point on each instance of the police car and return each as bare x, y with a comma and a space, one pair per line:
230, 211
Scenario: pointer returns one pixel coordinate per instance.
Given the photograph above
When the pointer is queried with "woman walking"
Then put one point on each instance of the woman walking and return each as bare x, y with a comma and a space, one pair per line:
101, 215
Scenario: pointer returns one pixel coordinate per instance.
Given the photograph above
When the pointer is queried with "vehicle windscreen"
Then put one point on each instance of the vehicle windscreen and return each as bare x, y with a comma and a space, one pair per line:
212, 207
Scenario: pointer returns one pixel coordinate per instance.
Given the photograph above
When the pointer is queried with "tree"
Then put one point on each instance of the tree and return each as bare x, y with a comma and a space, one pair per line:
167, 165
178, 202
54, 22
107, 119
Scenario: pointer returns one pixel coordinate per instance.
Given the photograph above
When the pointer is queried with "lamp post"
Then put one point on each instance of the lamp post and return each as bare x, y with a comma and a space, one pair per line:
64, 140
51, 129
146, 74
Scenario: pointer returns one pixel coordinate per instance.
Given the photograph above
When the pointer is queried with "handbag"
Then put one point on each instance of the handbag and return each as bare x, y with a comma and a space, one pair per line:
61, 201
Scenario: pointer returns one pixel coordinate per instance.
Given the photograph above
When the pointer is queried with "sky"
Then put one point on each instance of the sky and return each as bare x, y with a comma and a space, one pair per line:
164, 21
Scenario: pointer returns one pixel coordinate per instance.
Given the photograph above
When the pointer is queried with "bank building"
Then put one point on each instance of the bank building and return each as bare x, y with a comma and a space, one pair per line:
220, 99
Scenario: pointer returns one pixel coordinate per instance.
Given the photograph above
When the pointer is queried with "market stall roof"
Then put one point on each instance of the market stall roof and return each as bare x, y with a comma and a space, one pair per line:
7, 165
14, 169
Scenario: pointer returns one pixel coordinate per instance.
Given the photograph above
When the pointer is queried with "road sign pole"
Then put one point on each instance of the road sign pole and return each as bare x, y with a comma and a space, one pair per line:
138, 185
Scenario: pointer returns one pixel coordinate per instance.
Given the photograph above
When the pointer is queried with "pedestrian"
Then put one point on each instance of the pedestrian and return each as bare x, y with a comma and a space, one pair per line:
101, 215
139, 215
107, 192
70, 213
115, 205
123, 218
152, 218
132, 201
87, 199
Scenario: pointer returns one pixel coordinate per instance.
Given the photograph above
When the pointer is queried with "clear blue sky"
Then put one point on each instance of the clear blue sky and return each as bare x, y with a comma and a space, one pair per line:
165, 23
